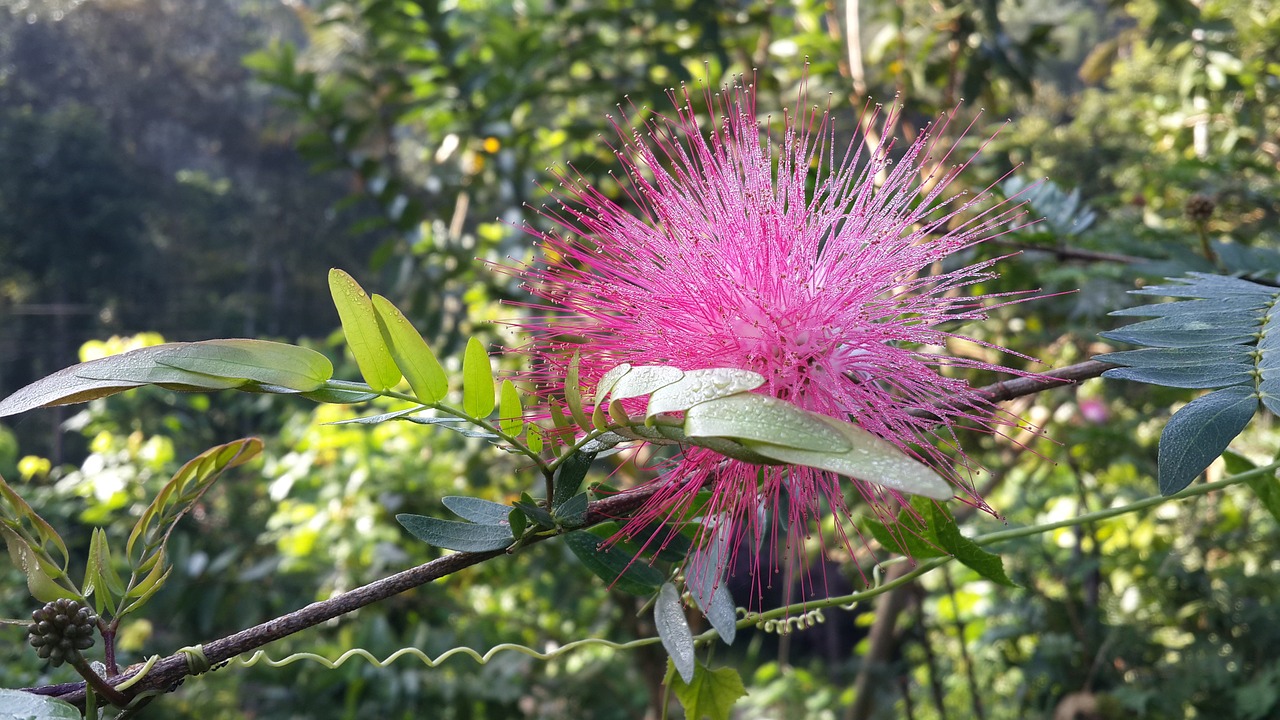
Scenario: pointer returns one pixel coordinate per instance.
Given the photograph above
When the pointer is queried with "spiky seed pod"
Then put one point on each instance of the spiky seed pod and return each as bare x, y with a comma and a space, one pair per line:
1199, 208
60, 629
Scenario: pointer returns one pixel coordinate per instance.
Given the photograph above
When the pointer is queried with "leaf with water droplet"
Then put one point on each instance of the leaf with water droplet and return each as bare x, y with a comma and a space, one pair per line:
750, 416
698, 386
673, 629
870, 458
413, 356
360, 327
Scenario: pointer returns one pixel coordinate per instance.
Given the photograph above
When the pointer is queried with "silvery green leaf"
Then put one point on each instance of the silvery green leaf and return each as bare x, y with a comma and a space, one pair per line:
698, 386
477, 510
870, 458
644, 380
674, 631
1198, 433
750, 416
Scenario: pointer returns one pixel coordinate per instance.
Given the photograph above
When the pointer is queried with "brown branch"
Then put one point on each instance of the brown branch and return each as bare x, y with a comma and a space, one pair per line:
169, 672
1066, 253
1018, 387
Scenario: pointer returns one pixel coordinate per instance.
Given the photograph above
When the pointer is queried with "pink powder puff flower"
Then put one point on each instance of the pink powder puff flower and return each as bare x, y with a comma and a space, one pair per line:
729, 250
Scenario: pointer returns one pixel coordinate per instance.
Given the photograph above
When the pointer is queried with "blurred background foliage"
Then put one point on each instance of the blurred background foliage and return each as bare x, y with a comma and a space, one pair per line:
191, 168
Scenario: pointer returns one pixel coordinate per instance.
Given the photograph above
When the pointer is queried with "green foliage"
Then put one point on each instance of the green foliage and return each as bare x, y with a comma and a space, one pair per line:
1218, 339
710, 694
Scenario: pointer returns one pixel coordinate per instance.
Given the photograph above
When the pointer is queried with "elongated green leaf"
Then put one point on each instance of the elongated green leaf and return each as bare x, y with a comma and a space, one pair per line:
673, 629
453, 535
360, 326
1200, 330
262, 361
1198, 433
1209, 286
614, 565
40, 580
750, 416
705, 580
421, 369
19, 513
573, 396
869, 458
1163, 358
510, 412
477, 380
338, 392
476, 510
699, 386
570, 475
1191, 376
710, 695
101, 581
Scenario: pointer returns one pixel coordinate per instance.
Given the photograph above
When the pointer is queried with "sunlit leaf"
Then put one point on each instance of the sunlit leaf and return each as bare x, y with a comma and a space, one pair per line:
360, 327
421, 369
269, 363
510, 412
19, 705
477, 380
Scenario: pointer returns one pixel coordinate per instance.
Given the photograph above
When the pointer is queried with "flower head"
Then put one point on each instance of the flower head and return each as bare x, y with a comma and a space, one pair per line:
738, 253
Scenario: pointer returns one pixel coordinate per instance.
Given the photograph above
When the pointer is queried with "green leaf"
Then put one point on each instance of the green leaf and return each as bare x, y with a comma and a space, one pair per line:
533, 438
510, 412
40, 580
750, 416
614, 565
477, 380
1267, 488
869, 458
988, 565
421, 369
262, 361
100, 577
573, 470
518, 522
453, 535
907, 535
1191, 376
534, 511
573, 396
711, 694
476, 510
673, 629
19, 705
704, 578
1198, 433
338, 392
572, 512
1201, 330
699, 386
19, 513
360, 326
